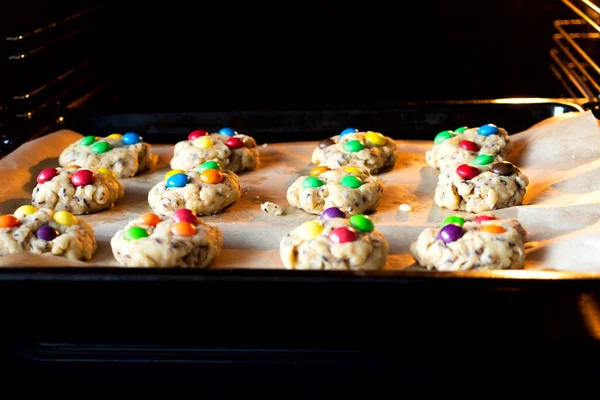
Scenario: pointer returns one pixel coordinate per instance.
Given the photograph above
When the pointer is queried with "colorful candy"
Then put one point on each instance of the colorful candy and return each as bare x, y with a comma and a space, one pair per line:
235, 143
108, 173
149, 219
115, 136
362, 223
482, 218
82, 177
8, 221
23, 211
453, 219
503, 168
208, 165
135, 233
483, 159
64, 218
312, 182
492, 229
487, 130
450, 233
227, 132
466, 171
316, 171
376, 138
183, 229
178, 180
46, 174
326, 143
202, 142
86, 141
309, 230
101, 147
196, 134
131, 138
353, 170
469, 145
351, 181
442, 136
173, 172
460, 130
184, 215
342, 235
332, 212
47, 233
352, 146
348, 131
74, 166
211, 176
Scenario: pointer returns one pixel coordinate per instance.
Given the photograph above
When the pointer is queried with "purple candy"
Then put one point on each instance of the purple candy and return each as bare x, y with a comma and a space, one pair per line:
332, 212
46, 233
450, 233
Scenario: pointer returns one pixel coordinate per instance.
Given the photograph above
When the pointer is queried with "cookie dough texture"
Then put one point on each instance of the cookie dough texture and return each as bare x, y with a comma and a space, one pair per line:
372, 158
449, 154
361, 200
124, 160
271, 208
75, 242
202, 198
475, 250
60, 194
187, 157
166, 249
368, 252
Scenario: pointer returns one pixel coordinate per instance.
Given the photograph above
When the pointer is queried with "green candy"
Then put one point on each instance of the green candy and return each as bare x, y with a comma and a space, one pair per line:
443, 135
312, 182
352, 146
209, 165
86, 141
362, 223
453, 220
136, 232
351, 181
483, 159
101, 147
460, 130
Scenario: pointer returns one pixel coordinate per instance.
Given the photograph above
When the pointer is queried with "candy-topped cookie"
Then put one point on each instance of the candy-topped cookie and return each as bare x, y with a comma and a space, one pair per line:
483, 185
369, 151
233, 151
183, 240
481, 243
461, 146
77, 190
205, 190
334, 242
46, 231
351, 189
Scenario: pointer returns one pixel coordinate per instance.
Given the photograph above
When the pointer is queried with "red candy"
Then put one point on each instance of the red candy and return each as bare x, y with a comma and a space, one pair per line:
469, 145
184, 215
196, 134
235, 143
46, 175
482, 218
82, 177
466, 171
342, 235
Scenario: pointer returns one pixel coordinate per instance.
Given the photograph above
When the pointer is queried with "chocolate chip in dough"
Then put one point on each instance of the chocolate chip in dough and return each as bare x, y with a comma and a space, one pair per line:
326, 143
503, 168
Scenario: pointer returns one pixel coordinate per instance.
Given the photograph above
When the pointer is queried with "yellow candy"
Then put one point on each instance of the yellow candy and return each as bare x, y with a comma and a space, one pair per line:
107, 172
309, 230
173, 172
64, 218
202, 142
376, 138
115, 136
22, 211
354, 170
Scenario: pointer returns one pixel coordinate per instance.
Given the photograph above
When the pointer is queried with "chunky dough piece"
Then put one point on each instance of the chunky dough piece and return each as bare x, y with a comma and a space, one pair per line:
372, 158
368, 252
487, 191
202, 198
76, 242
165, 249
124, 160
61, 195
474, 250
187, 157
364, 199
449, 154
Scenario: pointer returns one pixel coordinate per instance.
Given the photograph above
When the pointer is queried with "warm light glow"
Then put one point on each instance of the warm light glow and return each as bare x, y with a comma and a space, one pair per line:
60, 119
522, 100
22, 55
26, 96
558, 110
29, 114
20, 37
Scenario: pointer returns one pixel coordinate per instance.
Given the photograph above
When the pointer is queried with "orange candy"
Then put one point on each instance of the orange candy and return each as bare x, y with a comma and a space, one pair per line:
183, 229
316, 171
73, 166
493, 229
211, 176
149, 219
8, 221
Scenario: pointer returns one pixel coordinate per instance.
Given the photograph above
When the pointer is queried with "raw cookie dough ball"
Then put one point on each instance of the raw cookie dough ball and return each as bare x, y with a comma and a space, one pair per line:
333, 242
125, 155
77, 190
479, 188
484, 243
353, 190
231, 150
181, 241
205, 191
453, 148
369, 151
46, 231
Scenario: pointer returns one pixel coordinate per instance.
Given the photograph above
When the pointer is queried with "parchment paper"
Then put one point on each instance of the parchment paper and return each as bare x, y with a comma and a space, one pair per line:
561, 157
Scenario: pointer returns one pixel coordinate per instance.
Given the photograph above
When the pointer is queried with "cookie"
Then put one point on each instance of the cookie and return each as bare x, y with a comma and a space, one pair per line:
333, 242
77, 190
352, 190
233, 151
46, 231
180, 241
453, 148
479, 188
482, 243
206, 190
369, 151
125, 155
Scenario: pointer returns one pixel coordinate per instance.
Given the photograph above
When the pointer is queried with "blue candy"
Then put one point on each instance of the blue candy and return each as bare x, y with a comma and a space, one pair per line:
131, 138
347, 131
227, 132
487, 130
178, 180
